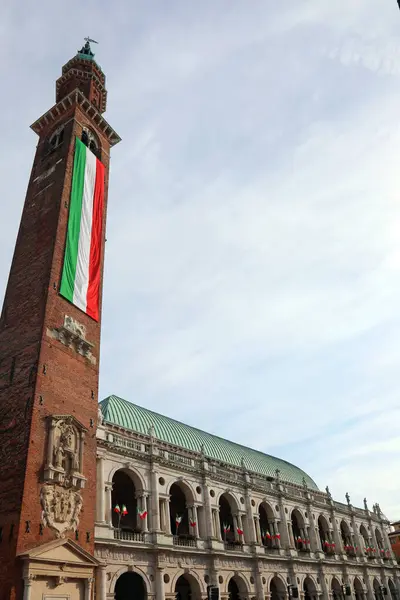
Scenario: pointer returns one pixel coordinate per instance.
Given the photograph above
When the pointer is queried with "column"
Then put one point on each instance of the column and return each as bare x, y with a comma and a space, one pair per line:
387, 543
337, 538
28, 586
235, 527
142, 504
257, 528
217, 524
166, 517
89, 588
81, 446
259, 583
208, 514
370, 591
251, 530
101, 496
324, 587
155, 503
290, 535
374, 540
101, 583
285, 532
357, 537
160, 594
276, 532
50, 447
195, 529
242, 537
108, 490
313, 534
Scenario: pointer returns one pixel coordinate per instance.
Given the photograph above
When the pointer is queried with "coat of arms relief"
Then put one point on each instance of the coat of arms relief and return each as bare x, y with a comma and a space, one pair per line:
63, 478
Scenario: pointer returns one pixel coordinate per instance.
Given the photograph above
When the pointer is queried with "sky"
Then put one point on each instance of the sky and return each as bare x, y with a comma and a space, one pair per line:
252, 278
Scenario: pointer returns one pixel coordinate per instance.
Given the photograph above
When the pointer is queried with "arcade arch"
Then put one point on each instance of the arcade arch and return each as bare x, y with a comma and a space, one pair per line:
324, 535
187, 588
300, 540
358, 589
123, 496
378, 591
309, 589
130, 585
181, 501
228, 518
277, 589
237, 588
337, 591
392, 590
267, 525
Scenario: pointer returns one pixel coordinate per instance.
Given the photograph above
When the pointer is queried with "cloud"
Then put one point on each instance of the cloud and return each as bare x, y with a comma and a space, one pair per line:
252, 262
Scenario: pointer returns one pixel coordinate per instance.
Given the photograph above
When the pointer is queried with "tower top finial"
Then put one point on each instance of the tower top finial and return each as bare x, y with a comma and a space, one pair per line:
86, 49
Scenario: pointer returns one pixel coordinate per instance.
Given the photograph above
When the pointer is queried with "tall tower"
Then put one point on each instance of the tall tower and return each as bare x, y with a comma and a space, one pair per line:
50, 333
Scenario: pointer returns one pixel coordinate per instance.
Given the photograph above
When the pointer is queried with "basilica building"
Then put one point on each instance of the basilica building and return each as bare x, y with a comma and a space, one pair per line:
181, 512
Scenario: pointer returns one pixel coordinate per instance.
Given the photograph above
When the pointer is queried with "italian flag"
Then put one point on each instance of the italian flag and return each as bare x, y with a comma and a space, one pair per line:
80, 281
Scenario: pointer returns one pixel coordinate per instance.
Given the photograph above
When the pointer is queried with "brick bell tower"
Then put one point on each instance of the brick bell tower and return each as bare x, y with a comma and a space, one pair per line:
50, 343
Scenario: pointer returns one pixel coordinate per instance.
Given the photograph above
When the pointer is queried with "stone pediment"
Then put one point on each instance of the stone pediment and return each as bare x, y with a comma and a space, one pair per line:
70, 419
65, 552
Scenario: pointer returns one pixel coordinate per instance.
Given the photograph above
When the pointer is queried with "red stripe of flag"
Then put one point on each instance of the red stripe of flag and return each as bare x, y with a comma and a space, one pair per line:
93, 293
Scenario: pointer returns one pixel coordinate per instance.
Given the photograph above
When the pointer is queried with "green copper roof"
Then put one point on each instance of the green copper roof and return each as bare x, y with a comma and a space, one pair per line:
130, 416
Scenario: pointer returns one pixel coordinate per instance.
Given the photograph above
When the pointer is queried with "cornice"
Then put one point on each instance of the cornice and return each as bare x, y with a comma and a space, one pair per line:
76, 98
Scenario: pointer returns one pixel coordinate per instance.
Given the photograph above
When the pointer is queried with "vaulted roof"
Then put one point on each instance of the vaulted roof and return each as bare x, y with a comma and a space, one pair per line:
120, 412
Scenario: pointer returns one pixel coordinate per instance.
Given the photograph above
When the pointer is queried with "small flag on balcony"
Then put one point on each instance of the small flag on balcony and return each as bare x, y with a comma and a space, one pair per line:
192, 523
142, 514
226, 527
240, 531
124, 510
178, 520
308, 542
117, 509
277, 536
268, 535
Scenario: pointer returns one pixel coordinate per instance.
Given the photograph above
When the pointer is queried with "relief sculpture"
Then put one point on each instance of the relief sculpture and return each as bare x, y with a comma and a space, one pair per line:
61, 508
60, 497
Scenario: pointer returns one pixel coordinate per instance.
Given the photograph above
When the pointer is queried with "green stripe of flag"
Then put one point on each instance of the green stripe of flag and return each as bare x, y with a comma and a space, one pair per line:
74, 222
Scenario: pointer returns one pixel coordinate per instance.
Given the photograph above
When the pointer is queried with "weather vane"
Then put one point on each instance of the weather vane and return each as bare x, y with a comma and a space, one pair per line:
88, 39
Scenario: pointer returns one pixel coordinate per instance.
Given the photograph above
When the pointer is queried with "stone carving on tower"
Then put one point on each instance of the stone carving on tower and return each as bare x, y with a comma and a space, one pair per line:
63, 475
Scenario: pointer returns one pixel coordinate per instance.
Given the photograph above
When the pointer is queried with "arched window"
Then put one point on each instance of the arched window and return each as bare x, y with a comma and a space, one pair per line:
124, 505
91, 141
327, 544
300, 536
269, 535
56, 139
226, 520
178, 510
369, 550
348, 545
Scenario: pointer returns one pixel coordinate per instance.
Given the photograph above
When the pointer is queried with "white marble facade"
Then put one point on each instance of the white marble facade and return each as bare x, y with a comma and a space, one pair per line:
294, 540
